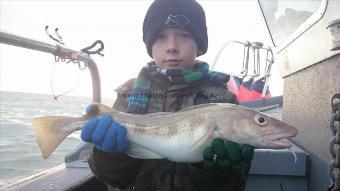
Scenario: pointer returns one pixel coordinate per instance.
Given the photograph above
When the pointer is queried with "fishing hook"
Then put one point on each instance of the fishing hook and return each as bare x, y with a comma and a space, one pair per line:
60, 41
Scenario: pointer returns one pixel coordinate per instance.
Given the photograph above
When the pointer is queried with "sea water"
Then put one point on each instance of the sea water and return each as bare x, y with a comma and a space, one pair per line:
20, 155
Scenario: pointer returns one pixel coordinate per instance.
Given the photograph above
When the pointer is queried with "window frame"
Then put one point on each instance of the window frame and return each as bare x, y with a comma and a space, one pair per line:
312, 20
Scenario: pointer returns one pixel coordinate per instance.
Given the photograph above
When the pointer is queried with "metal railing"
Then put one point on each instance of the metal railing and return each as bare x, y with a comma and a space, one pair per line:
255, 47
59, 51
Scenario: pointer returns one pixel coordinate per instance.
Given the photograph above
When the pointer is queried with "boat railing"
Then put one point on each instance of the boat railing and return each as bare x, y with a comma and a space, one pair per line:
58, 51
76, 157
255, 48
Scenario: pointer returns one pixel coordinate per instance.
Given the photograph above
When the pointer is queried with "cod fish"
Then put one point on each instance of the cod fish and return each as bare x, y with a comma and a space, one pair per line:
180, 136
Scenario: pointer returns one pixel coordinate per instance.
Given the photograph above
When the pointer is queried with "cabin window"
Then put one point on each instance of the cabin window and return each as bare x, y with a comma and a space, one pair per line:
288, 19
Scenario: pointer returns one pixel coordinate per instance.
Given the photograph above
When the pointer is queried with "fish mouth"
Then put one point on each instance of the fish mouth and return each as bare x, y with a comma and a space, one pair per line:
278, 140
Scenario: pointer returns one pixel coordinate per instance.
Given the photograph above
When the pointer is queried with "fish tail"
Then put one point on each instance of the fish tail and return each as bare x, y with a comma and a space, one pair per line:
50, 133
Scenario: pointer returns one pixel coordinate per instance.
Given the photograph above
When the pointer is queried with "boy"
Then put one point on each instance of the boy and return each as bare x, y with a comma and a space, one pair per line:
175, 33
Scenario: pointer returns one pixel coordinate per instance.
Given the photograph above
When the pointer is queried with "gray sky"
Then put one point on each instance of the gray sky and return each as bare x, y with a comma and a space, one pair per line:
119, 25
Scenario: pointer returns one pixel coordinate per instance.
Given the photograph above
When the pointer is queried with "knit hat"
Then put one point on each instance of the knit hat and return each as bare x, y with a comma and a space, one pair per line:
184, 14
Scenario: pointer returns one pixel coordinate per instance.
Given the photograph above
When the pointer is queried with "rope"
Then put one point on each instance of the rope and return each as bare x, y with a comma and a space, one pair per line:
98, 51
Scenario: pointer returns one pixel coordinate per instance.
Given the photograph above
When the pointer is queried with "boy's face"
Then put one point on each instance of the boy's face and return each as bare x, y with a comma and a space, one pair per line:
174, 48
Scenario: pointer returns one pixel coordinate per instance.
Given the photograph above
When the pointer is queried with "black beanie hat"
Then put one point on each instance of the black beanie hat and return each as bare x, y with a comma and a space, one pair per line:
185, 14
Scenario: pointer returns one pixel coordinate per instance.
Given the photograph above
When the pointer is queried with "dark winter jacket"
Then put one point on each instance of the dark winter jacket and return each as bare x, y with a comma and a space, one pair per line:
121, 171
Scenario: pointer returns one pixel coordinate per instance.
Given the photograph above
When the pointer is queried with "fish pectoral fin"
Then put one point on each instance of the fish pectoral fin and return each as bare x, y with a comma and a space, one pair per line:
205, 138
137, 151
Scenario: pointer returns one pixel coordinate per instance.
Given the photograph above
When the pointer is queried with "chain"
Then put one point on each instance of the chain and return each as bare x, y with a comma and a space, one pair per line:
334, 146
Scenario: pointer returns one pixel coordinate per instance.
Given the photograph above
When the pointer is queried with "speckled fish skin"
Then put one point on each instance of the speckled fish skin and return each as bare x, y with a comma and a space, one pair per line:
179, 136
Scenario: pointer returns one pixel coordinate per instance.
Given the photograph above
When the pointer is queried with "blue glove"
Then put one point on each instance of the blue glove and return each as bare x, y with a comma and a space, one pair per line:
105, 133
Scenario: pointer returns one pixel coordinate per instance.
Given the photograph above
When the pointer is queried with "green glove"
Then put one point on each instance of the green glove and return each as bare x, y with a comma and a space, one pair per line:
224, 154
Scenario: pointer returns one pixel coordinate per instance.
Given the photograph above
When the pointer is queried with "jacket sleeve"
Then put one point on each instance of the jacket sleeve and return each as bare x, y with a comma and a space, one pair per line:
116, 169
218, 179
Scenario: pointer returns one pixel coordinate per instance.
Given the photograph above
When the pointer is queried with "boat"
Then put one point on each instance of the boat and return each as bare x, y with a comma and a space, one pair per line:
306, 44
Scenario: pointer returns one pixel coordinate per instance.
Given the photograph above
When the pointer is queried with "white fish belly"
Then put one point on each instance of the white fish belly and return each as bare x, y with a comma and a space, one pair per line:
178, 147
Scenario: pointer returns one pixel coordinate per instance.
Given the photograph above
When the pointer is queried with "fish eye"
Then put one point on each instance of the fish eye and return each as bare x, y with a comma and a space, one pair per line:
260, 119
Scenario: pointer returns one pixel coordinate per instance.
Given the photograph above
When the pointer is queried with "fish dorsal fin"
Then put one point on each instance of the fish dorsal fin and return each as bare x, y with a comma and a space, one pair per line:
105, 109
136, 151
157, 114
205, 137
197, 106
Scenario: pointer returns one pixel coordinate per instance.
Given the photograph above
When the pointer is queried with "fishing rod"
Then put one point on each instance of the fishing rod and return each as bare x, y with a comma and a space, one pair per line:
60, 52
